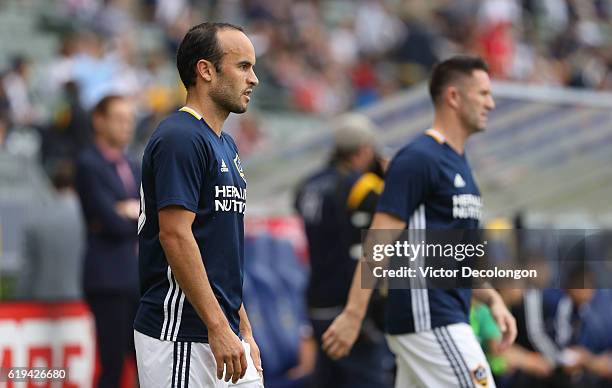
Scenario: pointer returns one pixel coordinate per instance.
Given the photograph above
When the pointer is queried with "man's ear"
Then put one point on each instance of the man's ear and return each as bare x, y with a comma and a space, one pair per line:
452, 96
205, 69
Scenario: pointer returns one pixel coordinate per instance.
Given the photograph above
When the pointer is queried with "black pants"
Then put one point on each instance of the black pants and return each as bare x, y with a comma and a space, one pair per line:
557, 380
368, 365
114, 316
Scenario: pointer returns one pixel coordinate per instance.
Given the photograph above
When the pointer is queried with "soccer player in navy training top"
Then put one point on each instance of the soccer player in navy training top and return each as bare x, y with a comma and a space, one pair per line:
191, 328
429, 184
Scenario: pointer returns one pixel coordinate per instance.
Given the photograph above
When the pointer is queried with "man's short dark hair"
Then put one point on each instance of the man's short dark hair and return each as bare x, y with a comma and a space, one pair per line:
449, 70
200, 42
578, 275
103, 105
62, 174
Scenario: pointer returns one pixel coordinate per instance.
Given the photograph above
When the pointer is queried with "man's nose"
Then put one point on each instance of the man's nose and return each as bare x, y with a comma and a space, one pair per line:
253, 80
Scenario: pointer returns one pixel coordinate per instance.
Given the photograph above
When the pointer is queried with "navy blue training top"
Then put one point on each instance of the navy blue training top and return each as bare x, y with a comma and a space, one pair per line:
321, 202
429, 186
186, 164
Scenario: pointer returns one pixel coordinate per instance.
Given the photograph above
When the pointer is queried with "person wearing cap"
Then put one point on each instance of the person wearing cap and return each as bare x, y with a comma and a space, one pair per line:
335, 203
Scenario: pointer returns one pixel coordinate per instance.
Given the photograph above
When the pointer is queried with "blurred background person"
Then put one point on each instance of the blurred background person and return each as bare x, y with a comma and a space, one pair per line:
108, 184
249, 135
552, 349
70, 132
336, 203
16, 88
4, 127
54, 243
522, 358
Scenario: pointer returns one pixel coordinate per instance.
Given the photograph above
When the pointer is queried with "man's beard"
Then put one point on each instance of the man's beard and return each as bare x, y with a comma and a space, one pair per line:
472, 125
222, 97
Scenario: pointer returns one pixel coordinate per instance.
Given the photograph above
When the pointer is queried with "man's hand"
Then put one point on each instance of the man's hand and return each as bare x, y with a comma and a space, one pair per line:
228, 352
574, 359
255, 354
340, 336
128, 208
599, 364
247, 334
506, 323
538, 365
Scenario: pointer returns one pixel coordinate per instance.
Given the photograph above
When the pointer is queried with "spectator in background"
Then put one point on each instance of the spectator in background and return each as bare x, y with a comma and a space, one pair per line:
376, 27
547, 352
335, 203
60, 69
16, 89
595, 349
249, 136
101, 68
71, 131
569, 320
114, 19
108, 187
54, 241
522, 361
4, 127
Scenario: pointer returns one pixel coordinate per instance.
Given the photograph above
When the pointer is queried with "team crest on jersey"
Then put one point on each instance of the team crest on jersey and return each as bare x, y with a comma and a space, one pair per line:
480, 375
238, 165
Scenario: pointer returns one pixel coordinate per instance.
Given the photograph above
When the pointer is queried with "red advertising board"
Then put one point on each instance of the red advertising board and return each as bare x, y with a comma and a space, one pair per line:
48, 335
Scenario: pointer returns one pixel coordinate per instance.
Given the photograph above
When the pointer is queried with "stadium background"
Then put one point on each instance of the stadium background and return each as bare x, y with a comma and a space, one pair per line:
546, 155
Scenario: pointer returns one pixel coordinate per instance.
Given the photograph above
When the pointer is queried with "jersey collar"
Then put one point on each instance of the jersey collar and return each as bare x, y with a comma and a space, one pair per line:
191, 112
200, 118
436, 135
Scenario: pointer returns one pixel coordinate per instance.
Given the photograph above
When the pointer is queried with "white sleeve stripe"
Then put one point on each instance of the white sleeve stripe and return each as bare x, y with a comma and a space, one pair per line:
166, 300
418, 286
535, 325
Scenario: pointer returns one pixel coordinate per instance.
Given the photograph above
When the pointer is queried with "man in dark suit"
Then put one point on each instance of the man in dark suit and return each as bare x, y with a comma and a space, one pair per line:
108, 187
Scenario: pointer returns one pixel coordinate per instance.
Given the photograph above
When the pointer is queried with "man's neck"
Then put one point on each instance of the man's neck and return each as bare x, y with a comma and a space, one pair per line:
205, 107
108, 148
452, 130
344, 167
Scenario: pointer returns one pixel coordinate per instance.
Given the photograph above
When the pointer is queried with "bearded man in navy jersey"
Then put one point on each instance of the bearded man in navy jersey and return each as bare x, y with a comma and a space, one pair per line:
191, 328
429, 184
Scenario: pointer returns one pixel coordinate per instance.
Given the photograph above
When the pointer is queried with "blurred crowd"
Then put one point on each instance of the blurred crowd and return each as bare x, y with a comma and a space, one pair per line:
315, 57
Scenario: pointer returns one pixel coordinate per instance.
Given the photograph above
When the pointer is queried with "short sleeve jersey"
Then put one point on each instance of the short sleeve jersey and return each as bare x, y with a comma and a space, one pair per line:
186, 164
429, 186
